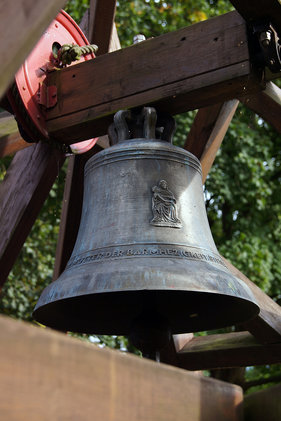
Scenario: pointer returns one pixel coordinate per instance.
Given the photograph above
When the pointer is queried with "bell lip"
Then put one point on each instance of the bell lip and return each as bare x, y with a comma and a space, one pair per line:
41, 313
146, 273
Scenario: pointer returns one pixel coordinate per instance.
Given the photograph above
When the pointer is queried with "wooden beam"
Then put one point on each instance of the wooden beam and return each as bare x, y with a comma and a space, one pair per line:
207, 132
169, 354
22, 24
73, 192
71, 212
267, 104
102, 14
71, 209
263, 405
237, 349
209, 62
10, 139
266, 326
47, 375
253, 10
27, 183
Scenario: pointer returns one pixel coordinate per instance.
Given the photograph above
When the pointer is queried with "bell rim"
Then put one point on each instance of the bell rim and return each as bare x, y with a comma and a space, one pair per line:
41, 313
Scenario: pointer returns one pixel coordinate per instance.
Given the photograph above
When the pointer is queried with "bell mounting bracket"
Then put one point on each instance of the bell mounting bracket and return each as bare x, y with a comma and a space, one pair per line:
267, 45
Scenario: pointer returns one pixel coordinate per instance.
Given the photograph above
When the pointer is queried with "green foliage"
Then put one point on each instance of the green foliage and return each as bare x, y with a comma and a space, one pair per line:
243, 201
76, 8
242, 190
269, 374
153, 18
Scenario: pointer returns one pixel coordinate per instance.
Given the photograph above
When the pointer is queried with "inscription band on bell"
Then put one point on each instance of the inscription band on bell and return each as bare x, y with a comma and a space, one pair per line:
144, 250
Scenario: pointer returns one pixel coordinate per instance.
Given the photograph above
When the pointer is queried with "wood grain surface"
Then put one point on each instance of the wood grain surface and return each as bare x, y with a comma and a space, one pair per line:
22, 24
23, 191
46, 375
196, 66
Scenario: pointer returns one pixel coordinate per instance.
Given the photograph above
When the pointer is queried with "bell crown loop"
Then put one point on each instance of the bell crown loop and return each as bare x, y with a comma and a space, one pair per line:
142, 123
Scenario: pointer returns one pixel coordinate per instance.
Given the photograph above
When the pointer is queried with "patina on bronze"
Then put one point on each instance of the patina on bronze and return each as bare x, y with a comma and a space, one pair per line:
144, 257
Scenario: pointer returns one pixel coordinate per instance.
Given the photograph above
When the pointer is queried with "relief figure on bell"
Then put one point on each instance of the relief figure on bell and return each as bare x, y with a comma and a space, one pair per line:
164, 206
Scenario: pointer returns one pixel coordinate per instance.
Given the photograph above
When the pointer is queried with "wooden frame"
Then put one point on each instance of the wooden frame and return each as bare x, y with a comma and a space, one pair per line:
181, 89
215, 76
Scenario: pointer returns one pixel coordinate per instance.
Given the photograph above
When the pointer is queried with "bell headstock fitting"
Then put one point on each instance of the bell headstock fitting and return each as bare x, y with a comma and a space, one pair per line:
141, 123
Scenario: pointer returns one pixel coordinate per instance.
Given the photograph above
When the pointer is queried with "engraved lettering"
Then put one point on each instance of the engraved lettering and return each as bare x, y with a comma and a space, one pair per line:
139, 251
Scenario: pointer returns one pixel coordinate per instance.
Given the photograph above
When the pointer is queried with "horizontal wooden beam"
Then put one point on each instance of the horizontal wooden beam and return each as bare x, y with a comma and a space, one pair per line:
267, 104
47, 375
169, 354
16, 43
237, 349
23, 191
208, 62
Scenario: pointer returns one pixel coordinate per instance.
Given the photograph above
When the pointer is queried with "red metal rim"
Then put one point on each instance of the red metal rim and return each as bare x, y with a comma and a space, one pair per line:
23, 96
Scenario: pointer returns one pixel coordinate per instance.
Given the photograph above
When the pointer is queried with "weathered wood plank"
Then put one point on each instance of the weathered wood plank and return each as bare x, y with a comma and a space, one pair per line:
267, 104
266, 326
47, 375
71, 212
102, 14
15, 44
71, 209
237, 349
27, 183
169, 354
207, 132
201, 71
263, 405
10, 139
253, 10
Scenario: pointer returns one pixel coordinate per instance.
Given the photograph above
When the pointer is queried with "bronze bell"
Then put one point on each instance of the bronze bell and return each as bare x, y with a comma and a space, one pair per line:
144, 255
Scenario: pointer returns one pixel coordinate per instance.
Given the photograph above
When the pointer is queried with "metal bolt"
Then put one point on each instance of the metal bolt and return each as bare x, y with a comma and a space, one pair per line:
265, 38
138, 38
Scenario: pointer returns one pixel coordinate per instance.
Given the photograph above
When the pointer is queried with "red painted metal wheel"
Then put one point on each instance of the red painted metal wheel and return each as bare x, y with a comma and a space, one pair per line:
26, 96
